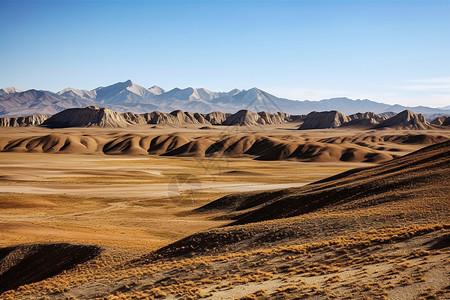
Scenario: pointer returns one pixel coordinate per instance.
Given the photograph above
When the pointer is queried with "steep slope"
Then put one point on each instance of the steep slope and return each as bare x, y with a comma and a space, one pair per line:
405, 120
244, 118
26, 264
325, 119
415, 175
408, 190
33, 120
87, 117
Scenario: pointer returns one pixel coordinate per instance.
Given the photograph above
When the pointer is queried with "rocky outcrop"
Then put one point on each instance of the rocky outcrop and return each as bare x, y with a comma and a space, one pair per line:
446, 122
276, 118
91, 116
216, 117
181, 117
133, 118
33, 120
441, 120
250, 118
387, 115
405, 120
367, 116
363, 120
176, 117
322, 120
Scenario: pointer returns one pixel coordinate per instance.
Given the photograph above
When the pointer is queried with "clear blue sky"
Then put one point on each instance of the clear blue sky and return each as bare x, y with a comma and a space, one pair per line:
388, 51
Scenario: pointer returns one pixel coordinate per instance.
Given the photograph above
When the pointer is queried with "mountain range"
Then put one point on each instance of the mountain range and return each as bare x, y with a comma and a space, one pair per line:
93, 116
130, 97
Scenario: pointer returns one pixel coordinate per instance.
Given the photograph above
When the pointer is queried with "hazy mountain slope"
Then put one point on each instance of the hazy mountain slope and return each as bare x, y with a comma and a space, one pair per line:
74, 93
123, 93
156, 90
37, 102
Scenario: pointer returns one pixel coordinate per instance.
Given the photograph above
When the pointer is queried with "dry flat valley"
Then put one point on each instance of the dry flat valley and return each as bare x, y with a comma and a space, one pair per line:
196, 210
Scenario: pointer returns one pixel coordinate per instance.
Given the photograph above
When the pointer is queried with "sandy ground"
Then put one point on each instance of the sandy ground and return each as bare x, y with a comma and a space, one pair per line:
131, 205
126, 201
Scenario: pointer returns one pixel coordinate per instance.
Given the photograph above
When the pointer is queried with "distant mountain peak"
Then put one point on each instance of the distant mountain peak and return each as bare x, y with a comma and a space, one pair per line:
234, 92
156, 90
9, 90
83, 94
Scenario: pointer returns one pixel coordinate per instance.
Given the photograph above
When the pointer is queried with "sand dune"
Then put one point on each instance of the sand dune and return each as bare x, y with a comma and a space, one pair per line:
421, 177
53, 143
372, 232
359, 148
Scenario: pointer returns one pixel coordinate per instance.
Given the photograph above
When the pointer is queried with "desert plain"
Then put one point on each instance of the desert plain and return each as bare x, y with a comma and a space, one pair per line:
208, 212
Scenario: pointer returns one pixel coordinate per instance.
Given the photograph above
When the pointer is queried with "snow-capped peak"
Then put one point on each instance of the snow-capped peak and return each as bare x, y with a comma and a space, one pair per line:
9, 90
156, 90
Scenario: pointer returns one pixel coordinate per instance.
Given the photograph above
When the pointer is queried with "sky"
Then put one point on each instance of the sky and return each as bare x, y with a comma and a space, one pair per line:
386, 51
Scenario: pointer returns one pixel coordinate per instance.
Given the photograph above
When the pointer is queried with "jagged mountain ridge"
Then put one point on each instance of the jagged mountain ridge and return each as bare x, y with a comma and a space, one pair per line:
129, 96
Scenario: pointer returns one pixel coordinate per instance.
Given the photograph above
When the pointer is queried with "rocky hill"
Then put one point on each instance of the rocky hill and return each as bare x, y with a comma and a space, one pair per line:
405, 120
33, 120
325, 119
250, 118
87, 117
